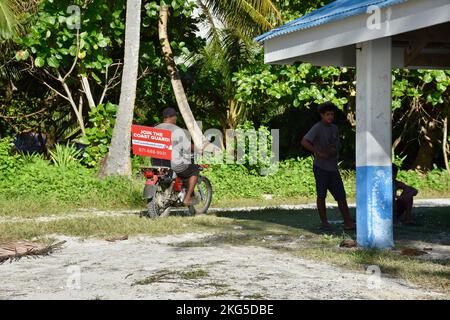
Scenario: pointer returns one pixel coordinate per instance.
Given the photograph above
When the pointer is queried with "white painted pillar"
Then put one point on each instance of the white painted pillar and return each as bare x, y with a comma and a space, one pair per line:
374, 195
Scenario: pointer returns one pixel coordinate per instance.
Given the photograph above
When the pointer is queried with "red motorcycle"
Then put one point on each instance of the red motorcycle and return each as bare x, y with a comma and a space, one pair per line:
165, 190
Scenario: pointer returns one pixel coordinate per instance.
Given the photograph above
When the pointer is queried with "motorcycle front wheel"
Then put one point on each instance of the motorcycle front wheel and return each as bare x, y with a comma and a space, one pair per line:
203, 194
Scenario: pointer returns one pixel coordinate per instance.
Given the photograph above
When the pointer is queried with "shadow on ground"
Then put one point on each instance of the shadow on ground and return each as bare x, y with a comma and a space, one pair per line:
432, 224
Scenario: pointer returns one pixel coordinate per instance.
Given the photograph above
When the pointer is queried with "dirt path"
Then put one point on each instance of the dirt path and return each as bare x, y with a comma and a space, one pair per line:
97, 269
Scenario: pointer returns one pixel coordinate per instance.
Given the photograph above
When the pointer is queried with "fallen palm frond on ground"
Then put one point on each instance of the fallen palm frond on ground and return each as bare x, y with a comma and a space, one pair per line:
14, 251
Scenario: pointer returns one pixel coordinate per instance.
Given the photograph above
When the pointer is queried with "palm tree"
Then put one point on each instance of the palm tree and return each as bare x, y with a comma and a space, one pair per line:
246, 15
231, 27
249, 16
242, 19
118, 159
178, 89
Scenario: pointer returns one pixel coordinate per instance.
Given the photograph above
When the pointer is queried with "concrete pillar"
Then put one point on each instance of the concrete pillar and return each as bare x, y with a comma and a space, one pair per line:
374, 194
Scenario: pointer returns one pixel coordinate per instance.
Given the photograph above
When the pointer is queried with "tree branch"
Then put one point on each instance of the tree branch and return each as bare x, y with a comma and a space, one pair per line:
76, 57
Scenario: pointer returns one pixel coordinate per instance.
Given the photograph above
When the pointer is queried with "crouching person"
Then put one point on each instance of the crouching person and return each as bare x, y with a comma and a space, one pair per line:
403, 203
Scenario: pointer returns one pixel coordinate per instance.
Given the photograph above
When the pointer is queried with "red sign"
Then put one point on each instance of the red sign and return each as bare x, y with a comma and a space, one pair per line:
151, 142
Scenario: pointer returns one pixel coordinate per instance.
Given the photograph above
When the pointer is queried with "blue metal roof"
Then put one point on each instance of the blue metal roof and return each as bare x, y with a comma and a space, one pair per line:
334, 11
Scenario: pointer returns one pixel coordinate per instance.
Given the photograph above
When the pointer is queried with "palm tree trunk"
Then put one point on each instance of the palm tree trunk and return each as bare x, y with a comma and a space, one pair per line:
178, 89
118, 159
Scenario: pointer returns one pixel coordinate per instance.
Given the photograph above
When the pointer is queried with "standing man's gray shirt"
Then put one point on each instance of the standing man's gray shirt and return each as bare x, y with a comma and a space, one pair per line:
181, 147
323, 138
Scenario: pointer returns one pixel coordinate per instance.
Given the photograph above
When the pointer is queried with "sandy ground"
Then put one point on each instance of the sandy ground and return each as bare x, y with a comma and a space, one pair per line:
97, 269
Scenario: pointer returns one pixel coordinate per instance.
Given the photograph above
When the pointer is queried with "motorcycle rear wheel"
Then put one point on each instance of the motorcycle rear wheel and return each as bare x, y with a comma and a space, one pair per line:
153, 211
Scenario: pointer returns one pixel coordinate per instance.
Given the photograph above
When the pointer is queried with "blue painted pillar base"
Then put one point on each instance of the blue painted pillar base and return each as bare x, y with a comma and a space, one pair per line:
374, 197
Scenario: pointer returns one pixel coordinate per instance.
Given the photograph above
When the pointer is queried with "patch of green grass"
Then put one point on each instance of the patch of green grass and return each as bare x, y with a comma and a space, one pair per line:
215, 294
254, 296
111, 226
160, 276
173, 276
260, 201
58, 190
218, 285
219, 293
194, 274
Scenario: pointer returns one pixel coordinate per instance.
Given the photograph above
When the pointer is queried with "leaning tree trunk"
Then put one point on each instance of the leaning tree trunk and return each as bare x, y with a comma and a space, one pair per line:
200, 141
118, 159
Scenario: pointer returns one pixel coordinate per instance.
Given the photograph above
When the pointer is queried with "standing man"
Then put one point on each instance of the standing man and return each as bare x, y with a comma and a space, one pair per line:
323, 141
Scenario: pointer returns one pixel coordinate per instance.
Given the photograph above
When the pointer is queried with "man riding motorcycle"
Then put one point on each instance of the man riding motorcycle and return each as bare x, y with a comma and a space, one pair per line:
181, 162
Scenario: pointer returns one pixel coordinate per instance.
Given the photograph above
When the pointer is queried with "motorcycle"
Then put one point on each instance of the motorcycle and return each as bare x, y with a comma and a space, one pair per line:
164, 190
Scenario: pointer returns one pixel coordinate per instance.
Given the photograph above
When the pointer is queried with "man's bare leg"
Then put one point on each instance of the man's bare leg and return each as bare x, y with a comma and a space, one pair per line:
408, 201
192, 182
343, 208
395, 219
322, 208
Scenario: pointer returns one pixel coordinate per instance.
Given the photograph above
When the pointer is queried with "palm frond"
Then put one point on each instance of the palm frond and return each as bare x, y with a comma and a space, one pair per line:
9, 24
250, 16
209, 22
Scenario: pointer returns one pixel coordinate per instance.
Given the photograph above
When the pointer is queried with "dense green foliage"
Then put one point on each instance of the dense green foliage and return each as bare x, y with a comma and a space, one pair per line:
225, 79
295, 179
47, 72
98, 135
32, 183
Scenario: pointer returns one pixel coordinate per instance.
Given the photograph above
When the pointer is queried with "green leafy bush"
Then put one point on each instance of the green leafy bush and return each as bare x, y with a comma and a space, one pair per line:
99, 134
295, 178
8, 161
26, 158
257, 154
39, 185
436, 180
67, 187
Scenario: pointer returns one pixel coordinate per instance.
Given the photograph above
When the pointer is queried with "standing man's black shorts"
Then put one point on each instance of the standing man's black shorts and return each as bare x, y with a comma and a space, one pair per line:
329, 181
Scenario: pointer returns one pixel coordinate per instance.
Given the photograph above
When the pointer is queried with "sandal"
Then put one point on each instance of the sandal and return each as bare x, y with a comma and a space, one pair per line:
193, 202
353, 228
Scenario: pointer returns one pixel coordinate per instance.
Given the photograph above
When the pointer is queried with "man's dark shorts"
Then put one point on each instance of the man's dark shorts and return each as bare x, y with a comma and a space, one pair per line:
329, 181
191, 171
